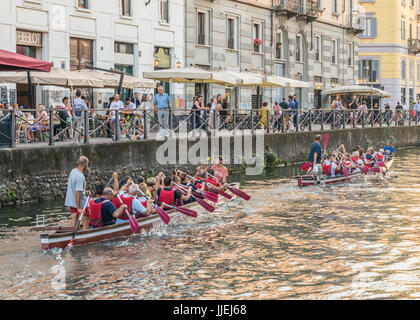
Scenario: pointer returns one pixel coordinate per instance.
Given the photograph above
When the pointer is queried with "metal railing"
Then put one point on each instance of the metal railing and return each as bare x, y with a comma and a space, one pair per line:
55, 127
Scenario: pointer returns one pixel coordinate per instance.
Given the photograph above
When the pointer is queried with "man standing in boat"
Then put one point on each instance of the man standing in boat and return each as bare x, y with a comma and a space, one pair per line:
389, 151
220, 171
76, 193
315, 158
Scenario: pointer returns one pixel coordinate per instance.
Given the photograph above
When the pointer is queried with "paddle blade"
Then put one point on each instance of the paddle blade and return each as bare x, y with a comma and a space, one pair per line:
326, 138
163, 215
210, 196
187, 212
205, 205
380, 164
364, 169
375, 170
346, 172
240, 193
222, 193
306, 166
133, 223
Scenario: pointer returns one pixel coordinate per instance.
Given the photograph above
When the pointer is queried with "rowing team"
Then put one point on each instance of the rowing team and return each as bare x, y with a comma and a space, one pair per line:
114, 205
339, 162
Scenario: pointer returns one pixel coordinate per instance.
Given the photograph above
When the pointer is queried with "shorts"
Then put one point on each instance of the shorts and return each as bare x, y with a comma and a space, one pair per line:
317, 169
74, 210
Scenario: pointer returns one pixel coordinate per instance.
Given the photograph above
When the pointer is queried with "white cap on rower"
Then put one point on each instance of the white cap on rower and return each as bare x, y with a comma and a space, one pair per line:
382, 151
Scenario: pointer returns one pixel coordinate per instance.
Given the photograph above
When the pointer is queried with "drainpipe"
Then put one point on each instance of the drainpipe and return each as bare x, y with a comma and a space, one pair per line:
185, 50
271, 44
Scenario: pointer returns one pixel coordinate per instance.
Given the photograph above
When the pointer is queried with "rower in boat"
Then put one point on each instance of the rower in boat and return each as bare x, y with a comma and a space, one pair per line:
378, 156
389, 151
167, 194
102, 212
134, 206
369, 160
357, 162
219, 171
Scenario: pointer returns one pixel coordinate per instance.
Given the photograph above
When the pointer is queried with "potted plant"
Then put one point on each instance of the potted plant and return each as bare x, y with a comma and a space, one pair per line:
278, 45
257, 42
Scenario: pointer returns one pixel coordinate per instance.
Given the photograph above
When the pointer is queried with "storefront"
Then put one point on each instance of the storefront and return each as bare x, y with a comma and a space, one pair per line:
81, 53
28, 43
162, 60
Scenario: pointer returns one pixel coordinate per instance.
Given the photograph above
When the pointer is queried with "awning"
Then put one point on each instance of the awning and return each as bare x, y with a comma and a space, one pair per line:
277, 81
190, 75
357, 90
112, 80
10, 61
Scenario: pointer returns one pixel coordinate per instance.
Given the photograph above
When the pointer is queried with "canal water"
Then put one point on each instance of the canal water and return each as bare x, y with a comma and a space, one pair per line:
350, 241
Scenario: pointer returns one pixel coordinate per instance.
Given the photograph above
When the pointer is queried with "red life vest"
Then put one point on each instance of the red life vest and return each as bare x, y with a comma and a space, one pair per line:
354, 160
95, 213
167, 196
347, 163
127, 201
337, 170
379, 156
326, 169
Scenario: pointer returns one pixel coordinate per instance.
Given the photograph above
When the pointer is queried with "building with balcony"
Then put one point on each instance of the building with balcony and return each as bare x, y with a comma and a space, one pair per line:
310, 40
389, 48
128, 35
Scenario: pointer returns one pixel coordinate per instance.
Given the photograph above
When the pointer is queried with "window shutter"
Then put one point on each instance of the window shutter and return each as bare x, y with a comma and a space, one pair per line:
363, 25
374, 27
360, 69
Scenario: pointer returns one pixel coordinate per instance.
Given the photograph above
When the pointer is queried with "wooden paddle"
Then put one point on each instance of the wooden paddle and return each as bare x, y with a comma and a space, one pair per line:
346, 171
211, 196
131, 219
71, 243
326, 139
161, 213
201, 202
187, 212
236, 191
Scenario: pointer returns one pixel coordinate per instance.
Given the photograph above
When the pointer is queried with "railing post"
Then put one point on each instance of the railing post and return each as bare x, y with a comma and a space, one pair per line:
117, 124
344, 119
86, 127
333, 120
363, 119
409, 117
252, 121
297, 120
170, 122
372, 121
417, 115
322, 120
145, 132
13, 129
310, 120
51, 125
282, 121
380, 118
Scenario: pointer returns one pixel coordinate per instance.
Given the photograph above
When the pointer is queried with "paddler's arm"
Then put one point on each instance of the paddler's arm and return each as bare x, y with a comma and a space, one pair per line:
78, 207
116, 183
315, 158
187, 196
117, 213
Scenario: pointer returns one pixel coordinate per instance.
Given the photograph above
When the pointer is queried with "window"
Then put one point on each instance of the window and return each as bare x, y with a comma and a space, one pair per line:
335, 6
163, 11
121, 47
126, 7
418, 71
317, 48
279, 45
403, 69
83, 4
368, 70
350, 54
257, 36
231, 33
334, 51
201, 28
298, 48
334, 82
403, 36
369, 26
411, 70
411, 31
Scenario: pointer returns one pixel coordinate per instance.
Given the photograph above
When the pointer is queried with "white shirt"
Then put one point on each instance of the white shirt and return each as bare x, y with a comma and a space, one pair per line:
131, 106
333, 167
116, 105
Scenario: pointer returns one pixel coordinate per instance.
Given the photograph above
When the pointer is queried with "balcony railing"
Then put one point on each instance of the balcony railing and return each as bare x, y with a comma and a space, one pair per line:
303, 8
414, 46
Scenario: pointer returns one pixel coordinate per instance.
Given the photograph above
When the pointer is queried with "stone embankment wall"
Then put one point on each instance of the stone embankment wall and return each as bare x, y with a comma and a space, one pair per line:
29, 174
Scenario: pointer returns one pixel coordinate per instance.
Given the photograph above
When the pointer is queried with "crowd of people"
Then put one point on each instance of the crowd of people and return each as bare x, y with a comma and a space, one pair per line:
136, 195
337, 162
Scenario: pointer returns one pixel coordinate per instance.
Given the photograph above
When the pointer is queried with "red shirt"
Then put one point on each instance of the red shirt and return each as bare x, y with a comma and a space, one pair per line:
220, 172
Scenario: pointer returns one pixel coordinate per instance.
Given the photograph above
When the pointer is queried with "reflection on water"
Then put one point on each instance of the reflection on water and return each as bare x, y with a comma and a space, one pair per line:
352, 241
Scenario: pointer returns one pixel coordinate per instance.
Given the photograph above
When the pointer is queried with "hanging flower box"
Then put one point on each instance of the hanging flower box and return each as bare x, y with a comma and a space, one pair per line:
278, 45
257, 42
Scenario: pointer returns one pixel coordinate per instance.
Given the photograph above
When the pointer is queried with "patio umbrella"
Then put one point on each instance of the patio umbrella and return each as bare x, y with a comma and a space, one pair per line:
112, 80
56, 77
190, 75
358, 90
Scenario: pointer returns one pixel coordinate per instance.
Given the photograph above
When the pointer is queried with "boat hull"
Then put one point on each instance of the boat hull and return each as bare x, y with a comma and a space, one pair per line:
306, 181
116, 231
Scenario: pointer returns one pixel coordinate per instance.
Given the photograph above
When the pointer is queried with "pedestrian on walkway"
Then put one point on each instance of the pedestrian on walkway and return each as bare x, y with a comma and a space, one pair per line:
79, 105
162, 104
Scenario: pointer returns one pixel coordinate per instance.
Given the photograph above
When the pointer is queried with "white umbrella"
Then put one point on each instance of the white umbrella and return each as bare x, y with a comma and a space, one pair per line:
189, 75
112, 80
356, 89
57, 77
